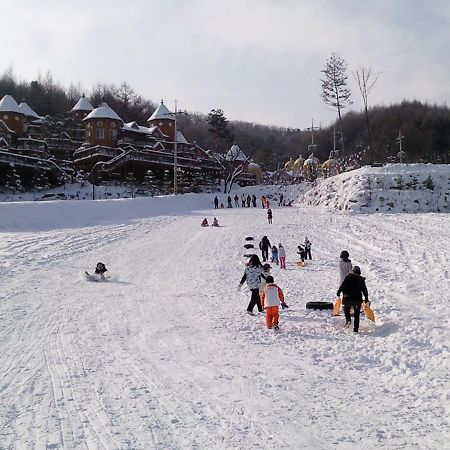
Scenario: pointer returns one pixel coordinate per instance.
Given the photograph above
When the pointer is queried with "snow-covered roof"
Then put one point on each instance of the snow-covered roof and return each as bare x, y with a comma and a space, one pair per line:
25, 109
133, 126
161, 112
102, 112
180, 138
83, 105
8, 104
235, 154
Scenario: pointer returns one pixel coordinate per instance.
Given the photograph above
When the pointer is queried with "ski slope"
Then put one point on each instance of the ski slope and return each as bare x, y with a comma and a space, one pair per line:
164, 356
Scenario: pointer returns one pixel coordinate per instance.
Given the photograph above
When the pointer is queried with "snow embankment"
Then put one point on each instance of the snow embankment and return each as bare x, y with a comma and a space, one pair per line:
393, 188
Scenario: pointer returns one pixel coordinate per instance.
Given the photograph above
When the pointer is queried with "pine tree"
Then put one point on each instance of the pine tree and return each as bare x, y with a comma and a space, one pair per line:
334, 88
218, 126
429, 183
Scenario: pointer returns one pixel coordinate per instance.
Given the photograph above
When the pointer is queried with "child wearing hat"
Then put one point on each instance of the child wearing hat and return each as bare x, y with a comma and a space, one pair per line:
271, 297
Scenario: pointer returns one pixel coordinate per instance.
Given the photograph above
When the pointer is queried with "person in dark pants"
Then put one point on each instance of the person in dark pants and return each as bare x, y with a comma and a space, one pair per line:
252, 275
264, 246
353, 288
216, 202
307, 248
230, 204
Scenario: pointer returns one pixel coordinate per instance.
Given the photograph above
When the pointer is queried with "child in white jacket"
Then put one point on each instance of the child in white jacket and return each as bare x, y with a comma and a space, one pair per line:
272, 296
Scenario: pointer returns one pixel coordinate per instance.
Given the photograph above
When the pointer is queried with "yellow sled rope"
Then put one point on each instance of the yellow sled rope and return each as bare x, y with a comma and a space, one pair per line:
368, 312
337, 306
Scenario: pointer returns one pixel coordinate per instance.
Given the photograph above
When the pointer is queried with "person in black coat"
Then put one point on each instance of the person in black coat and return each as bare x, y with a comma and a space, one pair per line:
354, 288
216, 202
264, 246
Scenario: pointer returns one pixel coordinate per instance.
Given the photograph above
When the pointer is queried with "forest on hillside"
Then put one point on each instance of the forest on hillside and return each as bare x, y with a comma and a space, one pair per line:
426, 128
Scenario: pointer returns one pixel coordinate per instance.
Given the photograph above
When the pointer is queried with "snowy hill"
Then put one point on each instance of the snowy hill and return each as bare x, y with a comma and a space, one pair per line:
164, 356
393, 188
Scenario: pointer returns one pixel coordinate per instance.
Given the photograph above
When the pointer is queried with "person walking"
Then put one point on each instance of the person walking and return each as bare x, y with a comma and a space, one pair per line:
272, 296
353, 289
274, 250
264, 246
269, 216
307, 248
282, 256
252, 275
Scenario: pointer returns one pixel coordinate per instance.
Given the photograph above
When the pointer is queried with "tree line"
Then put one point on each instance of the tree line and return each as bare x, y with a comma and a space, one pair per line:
426, 128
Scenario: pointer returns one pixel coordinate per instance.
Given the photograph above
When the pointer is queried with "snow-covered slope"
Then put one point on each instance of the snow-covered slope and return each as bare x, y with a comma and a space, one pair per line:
392, 188
164, 356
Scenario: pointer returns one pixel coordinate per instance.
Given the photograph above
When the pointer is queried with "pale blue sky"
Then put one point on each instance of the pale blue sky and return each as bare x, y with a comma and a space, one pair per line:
257, 60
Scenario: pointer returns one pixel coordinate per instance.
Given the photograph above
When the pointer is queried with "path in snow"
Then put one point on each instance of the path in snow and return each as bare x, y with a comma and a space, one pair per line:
164, 356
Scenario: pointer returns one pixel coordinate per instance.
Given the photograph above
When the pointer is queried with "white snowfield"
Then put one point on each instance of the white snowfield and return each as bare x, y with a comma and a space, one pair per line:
164, 356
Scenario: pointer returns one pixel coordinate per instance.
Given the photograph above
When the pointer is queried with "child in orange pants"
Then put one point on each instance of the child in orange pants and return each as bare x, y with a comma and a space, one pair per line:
271, 297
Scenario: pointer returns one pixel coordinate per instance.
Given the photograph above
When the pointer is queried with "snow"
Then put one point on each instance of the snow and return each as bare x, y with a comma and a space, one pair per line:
28, 111
83, 105
391, 188
103, 112
164, 356
161, 112
8, 104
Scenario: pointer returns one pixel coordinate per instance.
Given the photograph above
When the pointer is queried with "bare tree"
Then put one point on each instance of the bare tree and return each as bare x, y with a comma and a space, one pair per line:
334, 88
366, 80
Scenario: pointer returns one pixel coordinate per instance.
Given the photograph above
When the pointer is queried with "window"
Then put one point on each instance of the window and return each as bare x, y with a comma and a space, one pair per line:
100, 133
113, 134
16, 117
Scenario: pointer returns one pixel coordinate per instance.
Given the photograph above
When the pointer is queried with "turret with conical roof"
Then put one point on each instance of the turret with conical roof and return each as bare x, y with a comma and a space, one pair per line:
164, 120
102, 126
11, 115
81, 109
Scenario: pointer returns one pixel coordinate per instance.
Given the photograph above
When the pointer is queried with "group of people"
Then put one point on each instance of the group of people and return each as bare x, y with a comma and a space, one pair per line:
304, 250
215, 223
265, 294
245, 201
268, 296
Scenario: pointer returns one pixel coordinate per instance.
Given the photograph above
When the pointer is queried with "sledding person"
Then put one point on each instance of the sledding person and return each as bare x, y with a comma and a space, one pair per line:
264, 246
307, 248
274, 250
100, 269
252, 275
269, 216
282, 256
215, 223
216, 202
345, 265
353, 288
205, 222
272, 296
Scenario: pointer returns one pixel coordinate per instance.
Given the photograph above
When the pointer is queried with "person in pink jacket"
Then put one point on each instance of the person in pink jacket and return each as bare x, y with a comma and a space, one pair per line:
271, 297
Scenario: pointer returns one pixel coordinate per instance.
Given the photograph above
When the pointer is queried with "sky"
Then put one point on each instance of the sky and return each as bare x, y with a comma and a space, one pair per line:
257, 60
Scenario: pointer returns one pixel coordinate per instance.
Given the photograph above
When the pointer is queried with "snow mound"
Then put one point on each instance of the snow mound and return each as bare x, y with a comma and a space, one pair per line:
395, 188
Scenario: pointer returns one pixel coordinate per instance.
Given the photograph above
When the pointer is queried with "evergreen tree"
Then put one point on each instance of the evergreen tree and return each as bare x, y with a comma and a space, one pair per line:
334, 88
429, 183
218, 127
